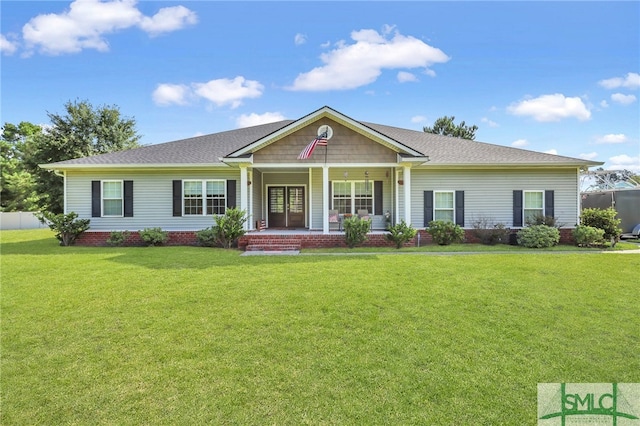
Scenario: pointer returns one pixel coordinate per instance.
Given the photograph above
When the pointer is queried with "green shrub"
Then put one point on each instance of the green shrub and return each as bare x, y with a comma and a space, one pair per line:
117, 238
538, 236
587, 236
154, 236
444, 232
207, 237
229, 227
356, 230
490, 233
400, 233
604, 219
66, 226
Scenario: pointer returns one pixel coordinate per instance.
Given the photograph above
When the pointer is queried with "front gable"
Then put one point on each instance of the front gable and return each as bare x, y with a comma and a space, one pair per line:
345, 146
351, 142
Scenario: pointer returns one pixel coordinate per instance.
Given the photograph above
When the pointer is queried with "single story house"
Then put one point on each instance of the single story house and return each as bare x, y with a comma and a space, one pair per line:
304, 175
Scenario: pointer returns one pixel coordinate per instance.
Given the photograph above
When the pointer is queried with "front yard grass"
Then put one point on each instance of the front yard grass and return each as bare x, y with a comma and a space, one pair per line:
186, 335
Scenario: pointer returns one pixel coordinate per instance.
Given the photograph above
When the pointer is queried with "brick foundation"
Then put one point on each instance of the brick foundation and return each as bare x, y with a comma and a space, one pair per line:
258, 241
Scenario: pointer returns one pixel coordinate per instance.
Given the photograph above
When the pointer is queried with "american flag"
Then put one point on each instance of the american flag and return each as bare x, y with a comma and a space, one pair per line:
308, 150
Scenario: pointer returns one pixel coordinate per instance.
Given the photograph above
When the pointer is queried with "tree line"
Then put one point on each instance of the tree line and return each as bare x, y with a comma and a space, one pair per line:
82, 130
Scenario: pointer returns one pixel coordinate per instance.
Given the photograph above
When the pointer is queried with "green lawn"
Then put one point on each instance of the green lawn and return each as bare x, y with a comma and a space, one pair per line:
185, 335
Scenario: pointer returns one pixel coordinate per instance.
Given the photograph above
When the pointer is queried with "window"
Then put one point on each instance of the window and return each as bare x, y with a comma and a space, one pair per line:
363, 197
112, 198
349, 197
197, 194
533, 205
443, 206
342, 197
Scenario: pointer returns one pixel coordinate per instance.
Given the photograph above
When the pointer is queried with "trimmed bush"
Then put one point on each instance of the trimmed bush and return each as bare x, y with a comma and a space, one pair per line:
154, 236
117, 238
400, 233
444, 232
538, 236
356, 230
66, 226
588, 236
541, 219
207, 237
604, 219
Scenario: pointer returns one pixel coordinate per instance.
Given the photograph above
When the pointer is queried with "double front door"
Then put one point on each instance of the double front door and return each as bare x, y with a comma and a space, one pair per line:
286, 206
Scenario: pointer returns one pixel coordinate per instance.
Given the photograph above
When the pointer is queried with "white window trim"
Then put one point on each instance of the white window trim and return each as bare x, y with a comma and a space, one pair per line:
103, 198
352, 196
203, 183
524, 203
452, 209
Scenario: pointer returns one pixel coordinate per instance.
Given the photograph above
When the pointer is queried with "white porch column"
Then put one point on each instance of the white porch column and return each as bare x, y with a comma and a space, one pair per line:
406, 176
325, 199
244, 197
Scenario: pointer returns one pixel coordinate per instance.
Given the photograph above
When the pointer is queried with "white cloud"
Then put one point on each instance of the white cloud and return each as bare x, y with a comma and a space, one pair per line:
86, 23
349, 66
589, 156
551, 108
406, 77
489, 122
630, 81
612, 138
253, 119
624, 162
623, 99
168, 19
221, 92
228, 92
299, 39
551, 151
167, 94
604, 104
418, 119
7, 47
520, 143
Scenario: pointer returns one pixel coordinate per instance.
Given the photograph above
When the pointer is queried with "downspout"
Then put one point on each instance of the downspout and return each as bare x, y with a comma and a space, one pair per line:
63, 175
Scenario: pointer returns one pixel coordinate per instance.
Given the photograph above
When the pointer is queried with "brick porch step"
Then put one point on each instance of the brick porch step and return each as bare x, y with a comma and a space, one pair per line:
273, 244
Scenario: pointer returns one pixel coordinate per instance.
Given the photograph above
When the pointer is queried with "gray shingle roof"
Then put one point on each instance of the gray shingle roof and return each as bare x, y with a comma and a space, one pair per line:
209, 149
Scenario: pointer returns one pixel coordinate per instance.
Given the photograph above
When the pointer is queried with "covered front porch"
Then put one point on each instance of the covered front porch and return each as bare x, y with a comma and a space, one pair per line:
318, 198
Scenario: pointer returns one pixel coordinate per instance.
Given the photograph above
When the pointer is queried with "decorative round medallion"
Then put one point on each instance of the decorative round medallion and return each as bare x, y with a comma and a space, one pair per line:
325, 131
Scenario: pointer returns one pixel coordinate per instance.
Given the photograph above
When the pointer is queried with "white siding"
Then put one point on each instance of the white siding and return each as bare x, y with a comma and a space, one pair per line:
152, 199
489, 193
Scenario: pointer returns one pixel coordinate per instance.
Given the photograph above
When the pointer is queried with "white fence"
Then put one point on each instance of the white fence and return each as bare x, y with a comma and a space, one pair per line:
19, 220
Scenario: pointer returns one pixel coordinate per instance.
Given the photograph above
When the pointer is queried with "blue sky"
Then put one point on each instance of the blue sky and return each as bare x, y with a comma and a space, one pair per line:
558, 77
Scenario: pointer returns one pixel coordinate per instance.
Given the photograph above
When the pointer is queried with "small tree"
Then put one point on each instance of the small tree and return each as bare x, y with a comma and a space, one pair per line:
400, 233
66, 226
229, 227
356, 230
446, 126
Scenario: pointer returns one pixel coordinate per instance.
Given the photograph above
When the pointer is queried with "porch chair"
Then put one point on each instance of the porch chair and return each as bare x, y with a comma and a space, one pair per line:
363, 214
334, 217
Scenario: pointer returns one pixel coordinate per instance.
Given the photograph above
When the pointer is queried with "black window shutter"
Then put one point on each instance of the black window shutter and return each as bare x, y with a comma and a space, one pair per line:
128, 198
377, 197
231, 194
428, 207
96, 209
460, 208
330, 200
517, 208
549, 209
177, 198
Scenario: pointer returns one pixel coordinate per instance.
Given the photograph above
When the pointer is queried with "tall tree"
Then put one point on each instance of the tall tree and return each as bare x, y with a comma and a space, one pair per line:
17, 185
446, 126
81, 132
